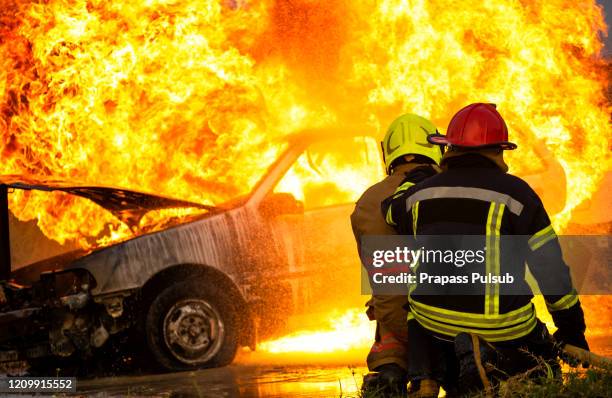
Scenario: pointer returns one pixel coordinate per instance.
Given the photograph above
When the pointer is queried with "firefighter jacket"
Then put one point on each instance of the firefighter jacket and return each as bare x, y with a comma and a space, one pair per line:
389, 311
366, 218
473, 196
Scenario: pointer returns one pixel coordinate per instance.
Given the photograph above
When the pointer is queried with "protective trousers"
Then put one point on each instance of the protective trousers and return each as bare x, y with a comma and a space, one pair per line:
391, 337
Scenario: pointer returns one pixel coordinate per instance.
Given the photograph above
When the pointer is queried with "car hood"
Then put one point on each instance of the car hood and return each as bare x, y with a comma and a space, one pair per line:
127, 205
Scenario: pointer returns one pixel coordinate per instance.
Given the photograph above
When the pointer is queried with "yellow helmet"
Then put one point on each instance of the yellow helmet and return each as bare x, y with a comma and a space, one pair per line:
407, 135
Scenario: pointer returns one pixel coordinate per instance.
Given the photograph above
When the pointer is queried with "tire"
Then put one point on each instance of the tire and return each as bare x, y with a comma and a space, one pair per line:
192, 325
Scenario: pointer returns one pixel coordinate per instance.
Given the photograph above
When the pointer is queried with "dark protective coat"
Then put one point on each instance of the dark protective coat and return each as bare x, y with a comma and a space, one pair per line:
475, 197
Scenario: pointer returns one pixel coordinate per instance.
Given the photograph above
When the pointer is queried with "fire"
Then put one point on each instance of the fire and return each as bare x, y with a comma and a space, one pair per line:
188, 98
346, 331
182, 97
154, 96
319, 177
351, 332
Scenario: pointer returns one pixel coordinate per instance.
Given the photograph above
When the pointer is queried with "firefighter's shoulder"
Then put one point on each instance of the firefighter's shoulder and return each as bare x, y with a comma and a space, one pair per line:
379, 191
397, 201
406, 188
508, 184
372, 198
412, 179
521, 190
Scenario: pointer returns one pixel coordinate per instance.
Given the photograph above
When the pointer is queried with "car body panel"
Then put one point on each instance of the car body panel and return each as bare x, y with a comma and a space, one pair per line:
129, 265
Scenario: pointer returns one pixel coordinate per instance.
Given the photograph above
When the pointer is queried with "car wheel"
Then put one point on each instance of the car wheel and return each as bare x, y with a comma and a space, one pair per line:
192, 325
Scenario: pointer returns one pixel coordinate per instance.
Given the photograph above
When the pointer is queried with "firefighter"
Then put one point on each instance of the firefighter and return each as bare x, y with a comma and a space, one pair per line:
408, 157
474, 341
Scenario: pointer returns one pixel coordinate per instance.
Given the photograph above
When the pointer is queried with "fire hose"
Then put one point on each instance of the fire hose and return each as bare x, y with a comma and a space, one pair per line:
568, 350
585, 356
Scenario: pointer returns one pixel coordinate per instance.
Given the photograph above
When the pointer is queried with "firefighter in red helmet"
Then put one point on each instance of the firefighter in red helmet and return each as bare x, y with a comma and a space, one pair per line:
467, 341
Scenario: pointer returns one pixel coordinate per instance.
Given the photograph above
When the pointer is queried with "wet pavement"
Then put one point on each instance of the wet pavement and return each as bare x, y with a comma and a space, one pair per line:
233, 381
256, 376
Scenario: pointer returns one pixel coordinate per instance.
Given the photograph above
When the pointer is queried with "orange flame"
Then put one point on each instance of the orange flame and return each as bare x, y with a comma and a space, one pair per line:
351, 332
185, 97
182, 97
347, 331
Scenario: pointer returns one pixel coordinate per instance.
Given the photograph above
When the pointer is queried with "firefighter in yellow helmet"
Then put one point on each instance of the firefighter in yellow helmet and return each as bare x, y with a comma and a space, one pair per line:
408, 157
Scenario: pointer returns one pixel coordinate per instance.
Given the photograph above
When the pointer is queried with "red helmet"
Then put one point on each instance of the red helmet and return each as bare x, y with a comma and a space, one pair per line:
475, 126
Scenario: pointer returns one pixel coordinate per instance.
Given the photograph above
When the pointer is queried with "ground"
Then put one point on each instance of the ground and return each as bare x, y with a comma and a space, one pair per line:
236, 380
257, 376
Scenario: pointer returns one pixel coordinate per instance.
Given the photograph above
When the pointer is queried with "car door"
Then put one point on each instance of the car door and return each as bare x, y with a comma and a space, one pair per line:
327, 178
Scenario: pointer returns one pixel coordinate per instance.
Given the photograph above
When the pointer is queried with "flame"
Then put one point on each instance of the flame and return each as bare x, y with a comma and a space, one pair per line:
188, 98
319, 176
350, 331
153, 95
340, 337
346, 331
185, 98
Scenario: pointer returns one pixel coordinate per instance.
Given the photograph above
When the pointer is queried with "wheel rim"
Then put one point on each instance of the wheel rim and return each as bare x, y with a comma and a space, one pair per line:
193, 331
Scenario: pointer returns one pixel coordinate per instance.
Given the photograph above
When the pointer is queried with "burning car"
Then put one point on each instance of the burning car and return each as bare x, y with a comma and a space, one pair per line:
195, 288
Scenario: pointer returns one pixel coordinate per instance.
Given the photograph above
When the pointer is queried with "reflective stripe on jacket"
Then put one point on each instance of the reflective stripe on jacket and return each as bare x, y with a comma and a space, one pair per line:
474, 197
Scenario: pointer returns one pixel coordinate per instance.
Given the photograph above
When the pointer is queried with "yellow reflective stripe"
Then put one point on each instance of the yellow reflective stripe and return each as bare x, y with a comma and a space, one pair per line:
472, 315
542, 232
389, 217
488, 259
410, 316
413, 286
494, 335
541, 237
494, 218
400, 190
564, 303
415, 217
471, 319
496, 260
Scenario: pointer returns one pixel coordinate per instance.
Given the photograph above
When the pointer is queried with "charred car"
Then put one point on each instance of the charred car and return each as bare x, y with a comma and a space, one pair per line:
193, 292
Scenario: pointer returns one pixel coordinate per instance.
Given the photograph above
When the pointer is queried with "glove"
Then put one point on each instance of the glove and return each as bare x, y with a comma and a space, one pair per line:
570, 321
576, 339
571, 327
